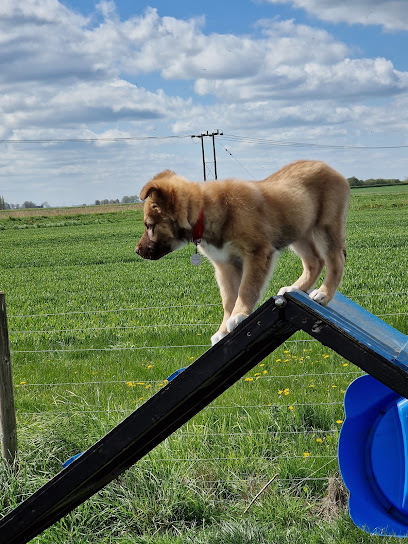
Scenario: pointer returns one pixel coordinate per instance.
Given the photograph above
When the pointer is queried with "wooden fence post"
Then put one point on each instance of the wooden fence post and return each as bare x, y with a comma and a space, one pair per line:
8, 426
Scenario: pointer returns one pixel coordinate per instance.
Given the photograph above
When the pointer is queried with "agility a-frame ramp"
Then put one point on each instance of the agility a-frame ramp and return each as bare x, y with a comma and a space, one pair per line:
343, 326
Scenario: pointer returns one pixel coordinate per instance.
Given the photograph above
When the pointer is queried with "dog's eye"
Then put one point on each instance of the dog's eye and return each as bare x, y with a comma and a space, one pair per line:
148, 226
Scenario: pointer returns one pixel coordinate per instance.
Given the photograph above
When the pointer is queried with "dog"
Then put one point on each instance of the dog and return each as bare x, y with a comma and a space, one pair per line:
241, 226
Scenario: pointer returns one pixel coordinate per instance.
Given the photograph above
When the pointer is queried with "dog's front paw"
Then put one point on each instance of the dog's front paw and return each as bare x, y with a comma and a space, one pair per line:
288, 289
215, 338
319, 297
234, 321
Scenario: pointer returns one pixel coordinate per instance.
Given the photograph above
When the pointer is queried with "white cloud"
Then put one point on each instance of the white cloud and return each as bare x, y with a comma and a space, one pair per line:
301, 61
63, 73
392, 15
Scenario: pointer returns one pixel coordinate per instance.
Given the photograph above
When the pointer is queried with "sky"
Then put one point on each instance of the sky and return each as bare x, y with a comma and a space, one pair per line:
98, 97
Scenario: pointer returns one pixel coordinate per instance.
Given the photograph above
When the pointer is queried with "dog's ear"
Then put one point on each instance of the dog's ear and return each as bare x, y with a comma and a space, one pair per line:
158, 184
148, 189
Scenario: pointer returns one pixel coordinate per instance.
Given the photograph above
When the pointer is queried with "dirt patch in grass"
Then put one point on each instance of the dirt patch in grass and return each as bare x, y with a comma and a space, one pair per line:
336, 500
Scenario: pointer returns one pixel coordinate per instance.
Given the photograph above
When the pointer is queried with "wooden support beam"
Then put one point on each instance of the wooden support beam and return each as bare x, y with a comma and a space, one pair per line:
8, 426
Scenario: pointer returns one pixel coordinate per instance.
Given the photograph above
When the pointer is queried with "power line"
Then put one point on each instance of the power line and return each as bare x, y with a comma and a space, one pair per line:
235, 159
80, 140
282, 143
231, 137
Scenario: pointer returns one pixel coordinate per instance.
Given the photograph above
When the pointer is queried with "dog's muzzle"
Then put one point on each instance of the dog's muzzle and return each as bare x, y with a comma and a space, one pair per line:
152, 252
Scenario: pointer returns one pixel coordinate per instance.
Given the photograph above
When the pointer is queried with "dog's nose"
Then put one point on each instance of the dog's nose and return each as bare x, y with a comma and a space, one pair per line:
137, 250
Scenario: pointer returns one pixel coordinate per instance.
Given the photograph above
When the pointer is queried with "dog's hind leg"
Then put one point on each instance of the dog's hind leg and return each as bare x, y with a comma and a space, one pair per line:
228, 276
335, 257
312, 262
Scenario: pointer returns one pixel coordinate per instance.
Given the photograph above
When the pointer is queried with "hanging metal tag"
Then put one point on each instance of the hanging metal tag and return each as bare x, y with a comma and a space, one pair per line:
196, 258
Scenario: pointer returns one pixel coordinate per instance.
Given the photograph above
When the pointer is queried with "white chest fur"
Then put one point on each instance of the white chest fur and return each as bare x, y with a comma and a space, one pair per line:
218, 255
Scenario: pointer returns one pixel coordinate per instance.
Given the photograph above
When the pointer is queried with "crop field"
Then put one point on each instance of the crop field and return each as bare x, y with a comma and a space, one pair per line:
95, 331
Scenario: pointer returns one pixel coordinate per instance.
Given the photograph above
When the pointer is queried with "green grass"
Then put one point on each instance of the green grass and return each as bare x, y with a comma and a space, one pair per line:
393, 189
95, 331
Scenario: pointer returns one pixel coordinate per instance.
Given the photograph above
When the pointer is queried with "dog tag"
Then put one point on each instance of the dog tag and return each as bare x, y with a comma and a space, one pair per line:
195, 259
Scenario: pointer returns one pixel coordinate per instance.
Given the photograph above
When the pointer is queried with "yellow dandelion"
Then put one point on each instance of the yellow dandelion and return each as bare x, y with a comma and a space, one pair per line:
257, 374
23, 383
140, 383
311, 385
265, 372
290, 407
326, 356
286, 391
319, 440
148, 386
306, 454
334, 386
249, 379
339, 421
285, 351
149, 366
345, 364
131, 384
262, 364
280, 391
278, 360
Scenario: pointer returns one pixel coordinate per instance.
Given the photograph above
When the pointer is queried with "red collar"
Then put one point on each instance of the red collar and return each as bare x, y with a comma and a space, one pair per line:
198, 229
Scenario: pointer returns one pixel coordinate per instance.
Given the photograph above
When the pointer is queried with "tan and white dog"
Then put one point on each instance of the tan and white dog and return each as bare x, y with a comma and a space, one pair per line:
242, 225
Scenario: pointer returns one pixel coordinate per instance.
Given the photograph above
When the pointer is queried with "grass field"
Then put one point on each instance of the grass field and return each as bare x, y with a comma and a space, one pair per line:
95, 331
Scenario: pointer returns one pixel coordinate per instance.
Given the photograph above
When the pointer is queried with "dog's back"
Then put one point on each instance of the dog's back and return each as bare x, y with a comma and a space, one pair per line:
282, 208
314, 194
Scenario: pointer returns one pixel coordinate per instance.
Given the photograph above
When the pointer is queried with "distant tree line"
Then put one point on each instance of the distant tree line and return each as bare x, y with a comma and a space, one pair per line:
355, 182
27, 204
125, 200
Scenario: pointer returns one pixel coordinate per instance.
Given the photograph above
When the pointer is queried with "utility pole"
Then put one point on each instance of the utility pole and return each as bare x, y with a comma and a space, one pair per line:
202, 136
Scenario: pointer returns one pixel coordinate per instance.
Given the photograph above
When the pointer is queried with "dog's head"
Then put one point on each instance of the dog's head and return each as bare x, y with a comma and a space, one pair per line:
166, 215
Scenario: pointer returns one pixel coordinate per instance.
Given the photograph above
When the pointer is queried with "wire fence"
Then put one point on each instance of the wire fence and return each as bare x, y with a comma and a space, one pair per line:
83, 378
